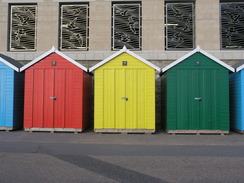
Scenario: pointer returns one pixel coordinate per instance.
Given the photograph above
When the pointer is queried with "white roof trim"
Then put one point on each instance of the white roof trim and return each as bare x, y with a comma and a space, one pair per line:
9, 64
124, 50
71, 60
53, 50
240, 68
218, 61
143, 60
198, 49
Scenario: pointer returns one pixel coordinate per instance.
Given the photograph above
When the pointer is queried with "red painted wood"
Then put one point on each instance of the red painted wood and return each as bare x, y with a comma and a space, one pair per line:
46, 63
38, 85
59, 103
70, 98
28, 99
64, 81
78, 100
48, 102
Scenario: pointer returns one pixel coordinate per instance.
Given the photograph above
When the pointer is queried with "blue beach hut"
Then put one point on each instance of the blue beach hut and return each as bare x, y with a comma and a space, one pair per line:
11, 94
237, 98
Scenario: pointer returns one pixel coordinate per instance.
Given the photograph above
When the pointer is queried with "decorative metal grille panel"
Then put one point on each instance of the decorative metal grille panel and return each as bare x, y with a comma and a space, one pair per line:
180, 26
74, 27
126, 26
23, 28
232, 25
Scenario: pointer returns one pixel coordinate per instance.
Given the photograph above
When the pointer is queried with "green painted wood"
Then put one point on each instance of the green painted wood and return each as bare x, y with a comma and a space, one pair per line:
187, 81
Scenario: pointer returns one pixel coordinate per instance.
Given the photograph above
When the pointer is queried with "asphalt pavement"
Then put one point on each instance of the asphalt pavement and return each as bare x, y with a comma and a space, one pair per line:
90, 157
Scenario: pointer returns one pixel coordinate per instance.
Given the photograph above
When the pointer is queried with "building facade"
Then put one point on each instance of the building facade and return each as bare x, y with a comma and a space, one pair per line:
90, 30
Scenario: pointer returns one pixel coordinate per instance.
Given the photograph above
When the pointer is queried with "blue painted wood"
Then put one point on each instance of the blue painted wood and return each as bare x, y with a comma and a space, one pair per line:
11, 97
2, 97
241, 125
6, 96
237, 100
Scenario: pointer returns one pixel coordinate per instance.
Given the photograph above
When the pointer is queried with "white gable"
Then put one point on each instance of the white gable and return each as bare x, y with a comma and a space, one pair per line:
124, 50
53, 50
240, 68
198, 49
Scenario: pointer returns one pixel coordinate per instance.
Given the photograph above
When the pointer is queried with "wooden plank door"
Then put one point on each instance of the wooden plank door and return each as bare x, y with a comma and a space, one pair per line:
197, 99
136, 102
59, 98
123, 99
210, 90
120, 98
38, 110
199, 95
111, 114
188, 99
49, 98
48, 113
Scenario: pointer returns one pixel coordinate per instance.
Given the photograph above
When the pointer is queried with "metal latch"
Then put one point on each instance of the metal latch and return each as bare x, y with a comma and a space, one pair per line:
54, 98
125, 98
198, 98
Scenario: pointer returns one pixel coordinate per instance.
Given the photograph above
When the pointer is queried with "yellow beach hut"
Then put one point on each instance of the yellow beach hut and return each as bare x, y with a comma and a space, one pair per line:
124, 94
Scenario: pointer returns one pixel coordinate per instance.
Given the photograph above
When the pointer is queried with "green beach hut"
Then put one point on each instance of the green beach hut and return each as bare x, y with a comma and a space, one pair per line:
195, 94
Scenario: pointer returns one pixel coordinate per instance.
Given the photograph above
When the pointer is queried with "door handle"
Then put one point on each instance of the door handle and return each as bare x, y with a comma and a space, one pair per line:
54, 98
125, 98
198, 98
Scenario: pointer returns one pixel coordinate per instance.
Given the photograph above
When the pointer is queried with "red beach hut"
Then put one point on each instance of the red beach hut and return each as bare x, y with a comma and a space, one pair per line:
57, 94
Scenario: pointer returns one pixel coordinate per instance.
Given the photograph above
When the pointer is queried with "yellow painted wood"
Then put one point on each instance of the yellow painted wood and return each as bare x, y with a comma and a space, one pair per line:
113, 81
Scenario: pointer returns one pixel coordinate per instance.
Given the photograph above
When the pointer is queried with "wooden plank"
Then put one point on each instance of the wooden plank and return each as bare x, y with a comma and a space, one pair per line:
76, 93
48, 102
38, 97
54, 130
28, 98
70, 96
198, 132
59, 92
3, 96
123, 131
7, 129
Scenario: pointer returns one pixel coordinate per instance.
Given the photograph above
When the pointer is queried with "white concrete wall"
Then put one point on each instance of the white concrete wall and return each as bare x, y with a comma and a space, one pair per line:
207, 31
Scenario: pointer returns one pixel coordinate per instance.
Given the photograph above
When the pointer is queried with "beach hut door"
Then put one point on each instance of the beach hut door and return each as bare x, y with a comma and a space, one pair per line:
188, 99
197, 99
125, 93
49, 94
